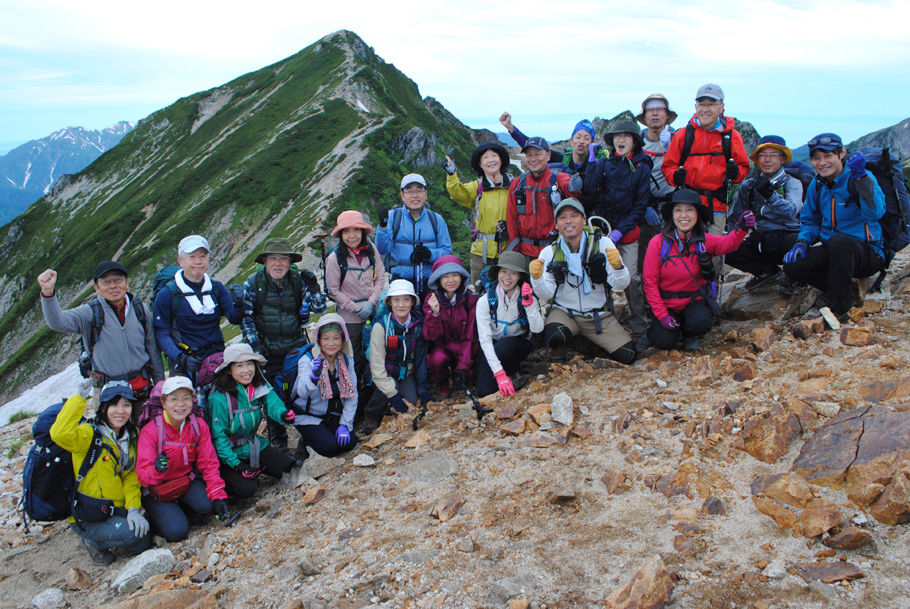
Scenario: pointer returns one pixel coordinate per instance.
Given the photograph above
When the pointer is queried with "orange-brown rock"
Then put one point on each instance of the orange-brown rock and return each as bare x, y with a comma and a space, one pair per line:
537, 411
705, 371
883, 449
812, 385
782, 516
762, 338
649, 588
786, 488
806, 415
77, 579
768, 436
613, 479
506, 412
447, 507
539, 439
826, 456
856, 336
744, 370
807, 328
819, 516
849, 538
515, 428
856, 314
893, 506
827, 572
313, 494
667, 368
519, 603
873, 306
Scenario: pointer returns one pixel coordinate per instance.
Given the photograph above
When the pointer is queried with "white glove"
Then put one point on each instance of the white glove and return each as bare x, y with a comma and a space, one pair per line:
137, 523
84, 388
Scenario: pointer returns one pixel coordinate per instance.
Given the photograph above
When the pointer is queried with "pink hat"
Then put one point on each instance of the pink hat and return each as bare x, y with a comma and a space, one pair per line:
351, 219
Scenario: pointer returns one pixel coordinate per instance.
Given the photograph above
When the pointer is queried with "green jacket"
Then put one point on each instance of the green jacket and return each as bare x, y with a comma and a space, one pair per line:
244, 423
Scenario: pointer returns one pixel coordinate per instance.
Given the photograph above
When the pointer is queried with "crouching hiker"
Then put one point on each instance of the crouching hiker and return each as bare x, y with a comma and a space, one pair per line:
578, 272
448, 325
107, 501
325, 394
398, 354
236, 407
679, 272
177, 464
506, 316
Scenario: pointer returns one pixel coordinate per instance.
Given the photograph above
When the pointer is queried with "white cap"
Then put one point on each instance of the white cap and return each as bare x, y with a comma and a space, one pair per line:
173, 383
401, 287
413, 178
191, 244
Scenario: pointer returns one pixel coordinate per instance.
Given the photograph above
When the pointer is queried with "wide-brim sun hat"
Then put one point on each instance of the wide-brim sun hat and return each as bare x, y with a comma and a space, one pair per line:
485, 147
351, 219
280, 247
444, 265
625, 127
655, 97
690, 197
512, 260
400, 287
772, 141
240, 352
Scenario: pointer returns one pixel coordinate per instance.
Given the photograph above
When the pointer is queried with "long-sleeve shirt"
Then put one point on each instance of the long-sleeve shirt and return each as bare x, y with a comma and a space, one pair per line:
507, 323
309, 398
453, 327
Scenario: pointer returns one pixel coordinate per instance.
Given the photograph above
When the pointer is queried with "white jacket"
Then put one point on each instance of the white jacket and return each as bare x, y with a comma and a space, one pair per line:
506, 324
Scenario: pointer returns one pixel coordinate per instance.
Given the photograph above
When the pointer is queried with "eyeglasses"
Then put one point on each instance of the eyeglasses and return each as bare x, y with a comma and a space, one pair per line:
709, 104
115, 280
825, 140
770, 155
276, 258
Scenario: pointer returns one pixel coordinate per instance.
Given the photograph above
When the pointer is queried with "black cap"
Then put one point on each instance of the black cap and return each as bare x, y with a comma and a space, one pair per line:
106, 267
536, 142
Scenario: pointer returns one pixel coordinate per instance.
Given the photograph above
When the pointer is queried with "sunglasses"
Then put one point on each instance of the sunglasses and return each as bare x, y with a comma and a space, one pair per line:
826, 140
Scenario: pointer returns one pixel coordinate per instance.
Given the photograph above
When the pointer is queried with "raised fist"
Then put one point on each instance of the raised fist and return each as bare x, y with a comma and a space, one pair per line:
47, 280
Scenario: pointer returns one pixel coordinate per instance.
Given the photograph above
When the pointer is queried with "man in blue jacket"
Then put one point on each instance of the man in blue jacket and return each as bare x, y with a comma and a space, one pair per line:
842, 210
411, 237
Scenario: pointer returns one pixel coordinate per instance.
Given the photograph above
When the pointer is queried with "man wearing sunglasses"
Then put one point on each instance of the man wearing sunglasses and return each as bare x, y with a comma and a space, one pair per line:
842, 210
116, 327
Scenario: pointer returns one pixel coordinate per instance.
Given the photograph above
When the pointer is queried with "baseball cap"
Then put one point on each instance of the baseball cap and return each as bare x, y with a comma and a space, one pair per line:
825, 141
570, 202
106, 267
173, 383
115, 389
536, 142
412, 178
191, 244
710, 90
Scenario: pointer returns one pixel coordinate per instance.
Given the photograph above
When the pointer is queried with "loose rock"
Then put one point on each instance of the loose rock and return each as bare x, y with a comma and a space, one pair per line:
364, 460
819, 516
49, 598
447, 508
561, 409
77, 579
649, 588
827, 572
768, 436
849, 538
142, 567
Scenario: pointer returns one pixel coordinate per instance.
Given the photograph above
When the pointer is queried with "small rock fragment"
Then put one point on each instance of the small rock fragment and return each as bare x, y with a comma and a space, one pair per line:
714, 506
649, 588
49, 598
819, 516
830, 318
313, 494
506, 412
364, 460
465, 545
519, 603
613, 479
377, 440
447, 508
539, 439
151, 562
561, 409
849, 538
77, 579
201, 576
826, 572
514, 428
418, 439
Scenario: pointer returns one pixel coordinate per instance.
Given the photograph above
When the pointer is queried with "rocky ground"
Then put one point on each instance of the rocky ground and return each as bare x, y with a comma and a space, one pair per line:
769, 470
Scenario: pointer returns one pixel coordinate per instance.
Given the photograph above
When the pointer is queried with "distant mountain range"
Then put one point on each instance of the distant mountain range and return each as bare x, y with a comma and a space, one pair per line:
896, 138
28, 172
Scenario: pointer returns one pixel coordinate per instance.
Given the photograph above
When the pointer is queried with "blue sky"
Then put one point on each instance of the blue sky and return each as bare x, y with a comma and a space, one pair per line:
792, 70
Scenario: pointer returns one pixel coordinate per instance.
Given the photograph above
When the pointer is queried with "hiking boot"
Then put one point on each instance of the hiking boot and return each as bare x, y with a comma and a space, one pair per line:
642, 344
99, 557
367, 427
690, 343
443, 392
786, 287
761, 279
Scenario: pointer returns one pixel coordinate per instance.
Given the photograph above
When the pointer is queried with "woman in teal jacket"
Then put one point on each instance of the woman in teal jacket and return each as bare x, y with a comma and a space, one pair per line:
241, 395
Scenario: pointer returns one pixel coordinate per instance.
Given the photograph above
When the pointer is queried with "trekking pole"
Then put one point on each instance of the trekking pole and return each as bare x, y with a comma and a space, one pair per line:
478, 407
321, 237
420, 415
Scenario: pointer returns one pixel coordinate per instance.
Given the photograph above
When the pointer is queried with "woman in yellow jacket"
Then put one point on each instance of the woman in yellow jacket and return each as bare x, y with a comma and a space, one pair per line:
106, 508
488, 195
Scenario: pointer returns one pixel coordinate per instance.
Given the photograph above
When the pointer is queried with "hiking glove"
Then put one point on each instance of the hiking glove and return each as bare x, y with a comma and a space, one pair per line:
746, 221
614, 258
679, 178
236, 291
460, 378
137, 523
536, 268
449, 165
84, 388
316, 369
502, 230
398, 403
310, 279
289, 417
669, 322
343, 436
161, 462
506, 388
526, 295
575, 183
652, 218
597, 268
425, 396
592, 152
383, 217
796, 252
220, 508
857, 165
246, 471
732, 170
762, 186
420, 254
364, 310
558, 271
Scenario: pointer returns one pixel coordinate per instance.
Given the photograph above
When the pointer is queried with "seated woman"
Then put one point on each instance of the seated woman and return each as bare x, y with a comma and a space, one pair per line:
678, 272
177, 464
236, 405
506, 317
325, 394
448, 325
106, 509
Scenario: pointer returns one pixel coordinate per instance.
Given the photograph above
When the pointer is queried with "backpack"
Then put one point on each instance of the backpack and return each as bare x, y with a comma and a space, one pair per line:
48, 483
381, 313
803, 172
288, 377
162, 277
726, 144
86, 365
152, 406
295, 282
521, 189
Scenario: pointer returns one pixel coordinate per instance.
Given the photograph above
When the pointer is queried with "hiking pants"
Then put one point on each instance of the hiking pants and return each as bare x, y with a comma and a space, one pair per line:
635, 297
278, 433
560, 326
379, 403
112, 533
762, 252
168, 518
355, 332
321, 438
717, 228
275, 463
511, 351
442, 359
694, 320
831, 267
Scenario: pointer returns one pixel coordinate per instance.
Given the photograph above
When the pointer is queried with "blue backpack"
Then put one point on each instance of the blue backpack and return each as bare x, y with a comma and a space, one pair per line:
287, 378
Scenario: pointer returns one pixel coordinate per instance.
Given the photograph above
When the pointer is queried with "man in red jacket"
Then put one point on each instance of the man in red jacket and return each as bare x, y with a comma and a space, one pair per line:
532, 198
708, 155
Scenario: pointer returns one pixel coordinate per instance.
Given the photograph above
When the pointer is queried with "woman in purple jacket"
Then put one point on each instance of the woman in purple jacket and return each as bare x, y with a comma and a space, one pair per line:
448, 324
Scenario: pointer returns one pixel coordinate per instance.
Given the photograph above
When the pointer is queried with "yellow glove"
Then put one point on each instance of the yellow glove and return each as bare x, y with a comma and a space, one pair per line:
614, 258
536, 268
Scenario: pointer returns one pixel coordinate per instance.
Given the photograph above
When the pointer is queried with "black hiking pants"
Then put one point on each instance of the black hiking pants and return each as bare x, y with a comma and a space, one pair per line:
695, 320
764, 253
511, 351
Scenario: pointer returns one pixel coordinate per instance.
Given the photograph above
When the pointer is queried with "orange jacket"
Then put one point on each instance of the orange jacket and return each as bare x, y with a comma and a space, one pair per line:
706, 166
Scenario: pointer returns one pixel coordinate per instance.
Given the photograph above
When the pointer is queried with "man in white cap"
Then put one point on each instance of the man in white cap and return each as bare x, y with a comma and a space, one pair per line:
188, 311
412, 236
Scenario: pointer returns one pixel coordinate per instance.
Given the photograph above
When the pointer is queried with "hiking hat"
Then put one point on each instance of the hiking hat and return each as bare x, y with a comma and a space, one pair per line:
192, 243
106, 267
536, 142
412, 178
512, 260
278, 246
685, 195
114, 389
656, 100
444, 265
333, 321
773, 141
710, 90
351, 219
495, 147
239, 352
570, 202
825, 141
625, 127
584, 125
401, 287
173, 383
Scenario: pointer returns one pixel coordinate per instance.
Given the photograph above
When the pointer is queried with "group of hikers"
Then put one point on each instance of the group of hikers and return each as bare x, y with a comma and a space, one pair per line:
651, 216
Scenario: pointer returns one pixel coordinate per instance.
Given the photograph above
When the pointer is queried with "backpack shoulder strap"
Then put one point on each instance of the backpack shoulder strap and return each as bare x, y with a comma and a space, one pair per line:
93, 454
159, 426
688, 140
396, 222
434, 223
665, 247
139, 308
96, 325
194, 423
259, 288
295, 282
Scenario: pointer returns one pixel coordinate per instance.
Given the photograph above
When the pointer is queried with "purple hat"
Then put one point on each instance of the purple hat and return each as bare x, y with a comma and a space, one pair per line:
444, 265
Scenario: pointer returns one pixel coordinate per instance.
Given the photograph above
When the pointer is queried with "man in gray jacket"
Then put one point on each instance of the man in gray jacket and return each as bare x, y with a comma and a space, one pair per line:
116, 328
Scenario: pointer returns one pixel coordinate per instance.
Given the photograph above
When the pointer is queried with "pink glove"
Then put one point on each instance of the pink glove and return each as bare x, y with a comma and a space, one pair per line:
669, 322
526, 292
506, 388
289, 416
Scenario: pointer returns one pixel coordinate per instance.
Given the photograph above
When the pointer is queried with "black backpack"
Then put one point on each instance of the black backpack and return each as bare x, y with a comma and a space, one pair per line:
803, 172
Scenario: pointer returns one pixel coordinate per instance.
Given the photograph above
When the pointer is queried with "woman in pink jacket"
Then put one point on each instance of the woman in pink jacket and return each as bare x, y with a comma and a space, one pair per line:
354, 278
678, 273
177, 464
448, 324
